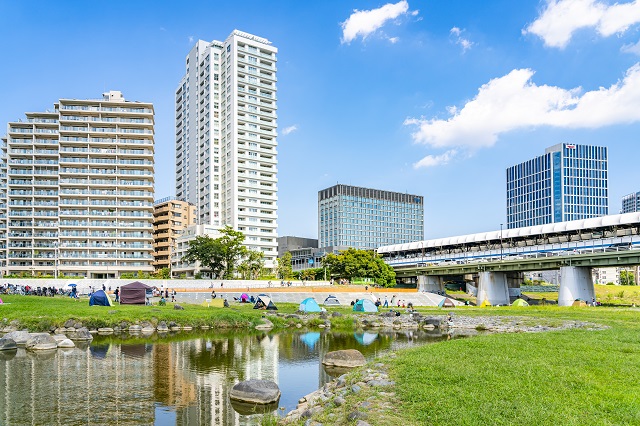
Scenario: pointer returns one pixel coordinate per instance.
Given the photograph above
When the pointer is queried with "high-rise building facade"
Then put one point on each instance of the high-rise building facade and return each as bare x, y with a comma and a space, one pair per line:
367, 218
631, 203
568, 182
226, 127
79, 189
170, 218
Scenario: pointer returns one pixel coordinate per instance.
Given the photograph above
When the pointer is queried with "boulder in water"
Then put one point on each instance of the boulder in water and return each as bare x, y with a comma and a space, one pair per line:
345, 358
255, 392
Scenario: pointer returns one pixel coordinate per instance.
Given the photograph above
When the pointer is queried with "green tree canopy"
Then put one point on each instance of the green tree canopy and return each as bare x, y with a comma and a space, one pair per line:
283, 266
353, 263
220, 255
252, 265
627, 278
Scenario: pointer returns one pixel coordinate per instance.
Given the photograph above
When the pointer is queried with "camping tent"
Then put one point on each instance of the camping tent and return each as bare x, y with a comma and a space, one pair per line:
579, 302
265, 302
519, 302
365, 305
331, 301
100, 298
309, 305
485, 304
134, 293
446, 303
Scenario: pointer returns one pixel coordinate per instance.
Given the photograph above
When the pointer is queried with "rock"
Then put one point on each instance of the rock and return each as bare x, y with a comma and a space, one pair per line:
321, 326
162, 327
204, 327
344, 358
59, 337
146, 324
338, 400
178, 307
135, 328
66, 343
20, 337
336, 314
41, 342
435, 321
294, 316
187, 328
80, 334
378, 383
176, 328
7, 344
429, 326
356, 415
148, 330
298, 325
362, 423
69, 323
255, 391
266, 325
105, 330
355, 388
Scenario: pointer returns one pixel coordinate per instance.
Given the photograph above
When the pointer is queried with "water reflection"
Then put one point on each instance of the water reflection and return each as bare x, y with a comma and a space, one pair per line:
180, 380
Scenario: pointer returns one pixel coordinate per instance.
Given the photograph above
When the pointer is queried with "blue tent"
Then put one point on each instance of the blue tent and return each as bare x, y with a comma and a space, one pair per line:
309, 305
100, 298
365, 305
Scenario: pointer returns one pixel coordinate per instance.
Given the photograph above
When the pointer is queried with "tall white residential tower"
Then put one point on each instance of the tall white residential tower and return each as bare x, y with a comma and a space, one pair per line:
226, 149
77, 197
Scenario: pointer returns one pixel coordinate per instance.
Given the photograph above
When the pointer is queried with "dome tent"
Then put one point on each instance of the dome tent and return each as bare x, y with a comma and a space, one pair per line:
265, 302
446, 303
365, 305
331, 301
100, 298
519, 302
309, 305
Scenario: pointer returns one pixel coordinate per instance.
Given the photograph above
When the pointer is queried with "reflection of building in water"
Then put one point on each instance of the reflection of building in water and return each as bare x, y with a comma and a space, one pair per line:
77, 387
211, 367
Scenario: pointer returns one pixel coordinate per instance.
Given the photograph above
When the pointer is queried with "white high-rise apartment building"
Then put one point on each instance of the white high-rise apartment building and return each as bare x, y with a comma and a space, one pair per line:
78, 189
226, 156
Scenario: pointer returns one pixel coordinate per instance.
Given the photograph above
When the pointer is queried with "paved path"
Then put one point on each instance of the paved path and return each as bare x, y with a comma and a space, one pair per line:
345, 295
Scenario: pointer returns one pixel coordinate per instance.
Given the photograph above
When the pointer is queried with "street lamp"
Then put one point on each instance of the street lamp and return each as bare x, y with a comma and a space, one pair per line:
501, 242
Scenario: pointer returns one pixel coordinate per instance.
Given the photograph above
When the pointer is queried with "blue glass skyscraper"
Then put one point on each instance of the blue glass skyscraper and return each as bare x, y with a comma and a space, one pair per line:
568, 182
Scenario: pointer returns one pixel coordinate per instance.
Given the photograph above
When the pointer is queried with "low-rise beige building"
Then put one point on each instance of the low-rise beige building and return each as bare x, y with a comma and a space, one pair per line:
170, 218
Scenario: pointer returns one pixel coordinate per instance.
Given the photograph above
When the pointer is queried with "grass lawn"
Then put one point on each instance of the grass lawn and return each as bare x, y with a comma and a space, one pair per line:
571, 377
37, 313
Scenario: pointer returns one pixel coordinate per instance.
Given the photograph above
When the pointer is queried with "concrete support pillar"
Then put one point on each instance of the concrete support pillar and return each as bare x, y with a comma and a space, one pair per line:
430, 283
514, 281
492, 286
575, 283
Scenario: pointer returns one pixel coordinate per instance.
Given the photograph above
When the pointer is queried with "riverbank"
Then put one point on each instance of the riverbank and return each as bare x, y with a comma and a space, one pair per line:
575, 375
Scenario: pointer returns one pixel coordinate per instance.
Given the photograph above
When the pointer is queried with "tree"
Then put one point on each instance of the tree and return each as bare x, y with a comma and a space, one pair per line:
283, 266
164, 274
251, 266
219, 255
353, 263
627, 278
208, 252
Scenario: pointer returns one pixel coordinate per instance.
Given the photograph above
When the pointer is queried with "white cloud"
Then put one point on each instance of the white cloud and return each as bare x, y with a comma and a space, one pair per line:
289, 129
191, 39
514, 102
436, 160
394, 40
465, 43
561, 18
631, 48
365, 22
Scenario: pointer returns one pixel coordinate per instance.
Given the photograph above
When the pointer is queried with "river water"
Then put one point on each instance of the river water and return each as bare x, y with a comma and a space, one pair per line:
175, 380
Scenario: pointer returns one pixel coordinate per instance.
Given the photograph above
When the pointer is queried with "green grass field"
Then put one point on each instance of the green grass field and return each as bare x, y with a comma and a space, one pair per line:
570, 377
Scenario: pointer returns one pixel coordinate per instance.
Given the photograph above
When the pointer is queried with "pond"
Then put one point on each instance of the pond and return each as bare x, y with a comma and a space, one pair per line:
174, 380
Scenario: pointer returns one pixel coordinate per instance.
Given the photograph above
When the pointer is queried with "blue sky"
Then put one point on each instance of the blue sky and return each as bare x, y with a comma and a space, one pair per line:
435, 98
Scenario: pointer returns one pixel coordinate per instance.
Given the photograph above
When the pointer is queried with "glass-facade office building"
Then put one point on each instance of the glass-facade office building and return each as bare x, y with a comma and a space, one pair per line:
631, 203
568, 182
367, 218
